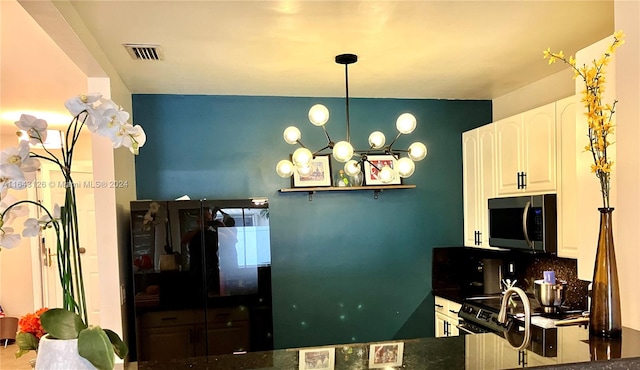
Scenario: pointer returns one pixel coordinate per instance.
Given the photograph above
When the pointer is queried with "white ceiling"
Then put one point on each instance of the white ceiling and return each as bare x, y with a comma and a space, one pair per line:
410, 49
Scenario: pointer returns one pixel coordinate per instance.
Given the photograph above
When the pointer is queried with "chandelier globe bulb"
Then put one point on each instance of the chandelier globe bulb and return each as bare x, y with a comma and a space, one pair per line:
284, 168
304, 170
352, 167
302, 156
406, 123
386, 174
417, 151
318, 115
376, 140
342, 151
406, 167
291, 135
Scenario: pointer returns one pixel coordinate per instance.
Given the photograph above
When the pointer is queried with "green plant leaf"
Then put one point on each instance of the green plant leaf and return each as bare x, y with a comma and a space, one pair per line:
26, 342
94, 345
61, 323
119, 346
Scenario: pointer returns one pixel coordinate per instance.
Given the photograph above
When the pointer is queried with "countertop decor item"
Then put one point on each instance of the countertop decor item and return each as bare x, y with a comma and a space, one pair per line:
18, 167
343, 151
605, 316
550, 295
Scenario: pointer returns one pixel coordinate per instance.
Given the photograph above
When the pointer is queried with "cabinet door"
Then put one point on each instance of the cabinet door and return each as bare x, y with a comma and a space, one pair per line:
441, 325
539, 148
453, 327
509, 154
573, 345
534, 359
470, 178
567, 182
508, 357
478, 151
166, 343
487, 178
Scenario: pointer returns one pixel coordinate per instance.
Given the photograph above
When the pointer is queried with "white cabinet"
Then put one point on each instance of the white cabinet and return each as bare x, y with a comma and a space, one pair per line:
446, 317
526, 152
489, 352
568, 205
573, 344
478, 153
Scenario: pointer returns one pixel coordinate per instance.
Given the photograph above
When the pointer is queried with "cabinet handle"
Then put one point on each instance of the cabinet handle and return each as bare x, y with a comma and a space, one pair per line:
455, 312
479, 238
524, 180
439, 305
519, 180
522, 358
446, 328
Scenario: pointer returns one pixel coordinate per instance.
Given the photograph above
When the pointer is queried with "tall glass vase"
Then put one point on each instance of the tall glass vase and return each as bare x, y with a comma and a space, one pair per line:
605, 318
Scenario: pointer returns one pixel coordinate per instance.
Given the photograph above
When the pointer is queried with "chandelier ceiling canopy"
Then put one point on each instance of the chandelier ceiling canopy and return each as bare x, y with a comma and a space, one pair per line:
343, 151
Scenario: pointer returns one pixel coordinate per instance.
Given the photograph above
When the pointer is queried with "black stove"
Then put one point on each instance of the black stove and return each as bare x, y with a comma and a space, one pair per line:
480, 315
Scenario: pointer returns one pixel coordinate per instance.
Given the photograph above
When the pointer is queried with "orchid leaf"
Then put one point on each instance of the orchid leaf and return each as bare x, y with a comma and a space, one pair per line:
62, 324
119, 347
94, 345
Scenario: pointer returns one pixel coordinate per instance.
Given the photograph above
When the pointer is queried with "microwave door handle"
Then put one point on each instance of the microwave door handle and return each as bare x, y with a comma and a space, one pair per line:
525, 213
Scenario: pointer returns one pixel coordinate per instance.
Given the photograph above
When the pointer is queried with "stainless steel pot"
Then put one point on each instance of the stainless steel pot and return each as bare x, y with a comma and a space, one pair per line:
550, 296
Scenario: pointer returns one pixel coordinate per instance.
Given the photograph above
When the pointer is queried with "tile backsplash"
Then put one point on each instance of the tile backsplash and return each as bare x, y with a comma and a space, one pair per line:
475, 271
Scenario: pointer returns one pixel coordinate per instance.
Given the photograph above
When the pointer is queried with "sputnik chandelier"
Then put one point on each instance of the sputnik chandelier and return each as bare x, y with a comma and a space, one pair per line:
344, 152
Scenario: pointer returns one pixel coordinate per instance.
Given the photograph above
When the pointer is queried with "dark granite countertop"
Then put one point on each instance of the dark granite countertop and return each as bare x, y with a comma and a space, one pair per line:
575, 351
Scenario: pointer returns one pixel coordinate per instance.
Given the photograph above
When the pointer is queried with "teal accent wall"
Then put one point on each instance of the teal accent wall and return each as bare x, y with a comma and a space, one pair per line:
345, 267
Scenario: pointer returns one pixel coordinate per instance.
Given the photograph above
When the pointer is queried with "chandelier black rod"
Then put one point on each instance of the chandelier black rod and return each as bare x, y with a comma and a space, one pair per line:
394, 140
346, 84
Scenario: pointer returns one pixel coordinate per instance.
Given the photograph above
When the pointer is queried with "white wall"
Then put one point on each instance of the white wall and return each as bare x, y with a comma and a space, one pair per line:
112, 206
555, 87
18, 266
627, 14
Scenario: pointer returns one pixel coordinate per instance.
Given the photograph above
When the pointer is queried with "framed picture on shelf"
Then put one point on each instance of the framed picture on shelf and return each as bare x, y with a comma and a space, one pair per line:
379, 161
320, 174
317, 358
383, 355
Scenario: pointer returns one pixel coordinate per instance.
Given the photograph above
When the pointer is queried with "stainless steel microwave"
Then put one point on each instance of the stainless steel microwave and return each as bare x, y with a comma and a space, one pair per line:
524, 223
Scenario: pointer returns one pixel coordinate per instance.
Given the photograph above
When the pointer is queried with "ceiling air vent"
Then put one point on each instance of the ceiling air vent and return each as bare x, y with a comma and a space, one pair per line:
145, 51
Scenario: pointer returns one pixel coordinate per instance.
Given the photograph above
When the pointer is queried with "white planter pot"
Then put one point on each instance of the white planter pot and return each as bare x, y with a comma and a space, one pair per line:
60, 354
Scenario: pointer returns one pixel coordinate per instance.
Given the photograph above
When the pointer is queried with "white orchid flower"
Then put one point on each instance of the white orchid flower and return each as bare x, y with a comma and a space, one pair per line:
129, 136
8, 239
11, 177
20, 157
80, 103
45, 219
107, 117
15, 212
36, 128
110, 119
31, 228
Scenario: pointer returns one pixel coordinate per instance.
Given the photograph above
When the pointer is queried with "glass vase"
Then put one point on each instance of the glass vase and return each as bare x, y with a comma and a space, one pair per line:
605, 317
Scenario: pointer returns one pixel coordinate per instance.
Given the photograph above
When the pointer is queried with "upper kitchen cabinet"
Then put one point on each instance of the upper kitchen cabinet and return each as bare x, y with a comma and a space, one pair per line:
479, 169
526, 152
568, 152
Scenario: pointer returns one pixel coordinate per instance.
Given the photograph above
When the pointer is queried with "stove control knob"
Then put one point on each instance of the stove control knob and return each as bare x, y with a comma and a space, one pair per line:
467, 309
